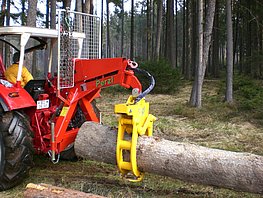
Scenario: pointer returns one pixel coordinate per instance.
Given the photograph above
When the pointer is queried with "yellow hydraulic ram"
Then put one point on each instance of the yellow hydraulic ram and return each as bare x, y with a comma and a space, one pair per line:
134, 120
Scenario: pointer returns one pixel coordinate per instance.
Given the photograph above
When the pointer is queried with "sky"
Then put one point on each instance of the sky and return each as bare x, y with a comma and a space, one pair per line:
97, 6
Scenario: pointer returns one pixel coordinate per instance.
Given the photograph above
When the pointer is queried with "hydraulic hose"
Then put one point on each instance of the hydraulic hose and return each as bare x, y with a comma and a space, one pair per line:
151, 86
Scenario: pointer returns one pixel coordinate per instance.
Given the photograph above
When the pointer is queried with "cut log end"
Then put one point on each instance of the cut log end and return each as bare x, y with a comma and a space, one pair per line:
48, 191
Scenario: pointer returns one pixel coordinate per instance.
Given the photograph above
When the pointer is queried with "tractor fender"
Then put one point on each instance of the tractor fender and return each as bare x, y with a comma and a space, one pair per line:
12, 98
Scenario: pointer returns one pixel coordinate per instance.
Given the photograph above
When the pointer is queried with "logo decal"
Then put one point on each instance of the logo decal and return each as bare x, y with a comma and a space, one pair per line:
104, 82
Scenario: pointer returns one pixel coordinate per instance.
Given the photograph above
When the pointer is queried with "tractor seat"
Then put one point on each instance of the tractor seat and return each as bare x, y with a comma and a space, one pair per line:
35, 88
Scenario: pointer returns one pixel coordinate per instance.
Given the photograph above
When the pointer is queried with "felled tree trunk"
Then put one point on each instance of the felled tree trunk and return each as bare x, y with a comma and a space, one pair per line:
187, 162
49, 191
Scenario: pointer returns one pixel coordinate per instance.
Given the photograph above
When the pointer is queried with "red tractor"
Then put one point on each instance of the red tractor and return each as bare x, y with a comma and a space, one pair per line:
44, 117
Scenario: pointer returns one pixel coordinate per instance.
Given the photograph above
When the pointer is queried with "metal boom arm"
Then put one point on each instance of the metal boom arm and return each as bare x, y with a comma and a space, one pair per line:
90, 75
99, 73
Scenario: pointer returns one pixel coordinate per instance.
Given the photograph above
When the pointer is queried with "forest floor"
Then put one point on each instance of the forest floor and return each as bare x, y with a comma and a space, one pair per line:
216, 125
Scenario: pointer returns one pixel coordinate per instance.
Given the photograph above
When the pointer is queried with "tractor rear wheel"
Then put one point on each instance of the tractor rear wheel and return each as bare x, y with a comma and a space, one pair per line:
16, 149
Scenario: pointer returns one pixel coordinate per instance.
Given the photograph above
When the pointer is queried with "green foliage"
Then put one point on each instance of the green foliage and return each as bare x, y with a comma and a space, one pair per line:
167, 79
248, 93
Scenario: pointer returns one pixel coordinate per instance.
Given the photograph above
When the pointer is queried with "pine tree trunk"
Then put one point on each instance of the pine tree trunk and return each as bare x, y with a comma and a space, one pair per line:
193, 35
31, 21
122, 27
87, 7
159, 28
198, 83
78, 6
102, 31
204, 43
184, 38
188, 162
23, 13
3, 13
215, 45
176, 55
132, 31
248, 37
32, 13
229, 55
53, 15
53, 11
91, 7
47, 13
210, 15
108, 30
169, 43
188, 50
66, 3
148, 31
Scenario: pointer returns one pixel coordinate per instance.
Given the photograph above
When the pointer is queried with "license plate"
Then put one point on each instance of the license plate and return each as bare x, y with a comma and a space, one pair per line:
42, 104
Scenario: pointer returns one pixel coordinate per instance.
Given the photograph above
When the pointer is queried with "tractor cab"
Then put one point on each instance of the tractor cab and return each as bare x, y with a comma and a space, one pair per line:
28, 39
24, 40
76, 36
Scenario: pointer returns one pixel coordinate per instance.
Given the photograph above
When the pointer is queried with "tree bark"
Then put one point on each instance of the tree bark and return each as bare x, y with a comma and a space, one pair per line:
215, 44
122, 27
159, 28
184, 161
108, 30
78, 6
149, 30
86, 7
31, 21
102, 31
188, 52
66, 4
47, 13
53, 11
23, 12
32, 13
132, 31
184, 36
193, 45
3, 13
210, 15
196, 93
45, 190
204, 44
248, 37
229, 54
169, 42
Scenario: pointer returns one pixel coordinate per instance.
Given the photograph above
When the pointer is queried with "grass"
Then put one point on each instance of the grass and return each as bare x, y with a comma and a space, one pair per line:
216, 125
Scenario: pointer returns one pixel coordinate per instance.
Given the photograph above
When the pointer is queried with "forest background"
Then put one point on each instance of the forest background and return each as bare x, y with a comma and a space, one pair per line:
198, 39
209, 51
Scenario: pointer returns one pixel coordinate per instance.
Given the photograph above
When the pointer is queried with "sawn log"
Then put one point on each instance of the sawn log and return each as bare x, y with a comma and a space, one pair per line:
184, 161
49, 191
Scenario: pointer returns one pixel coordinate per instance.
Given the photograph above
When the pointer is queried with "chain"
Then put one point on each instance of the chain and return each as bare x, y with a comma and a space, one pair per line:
50, 155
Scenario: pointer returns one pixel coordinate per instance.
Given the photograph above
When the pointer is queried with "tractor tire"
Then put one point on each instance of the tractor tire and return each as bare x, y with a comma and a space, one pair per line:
69, 153
16, 149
